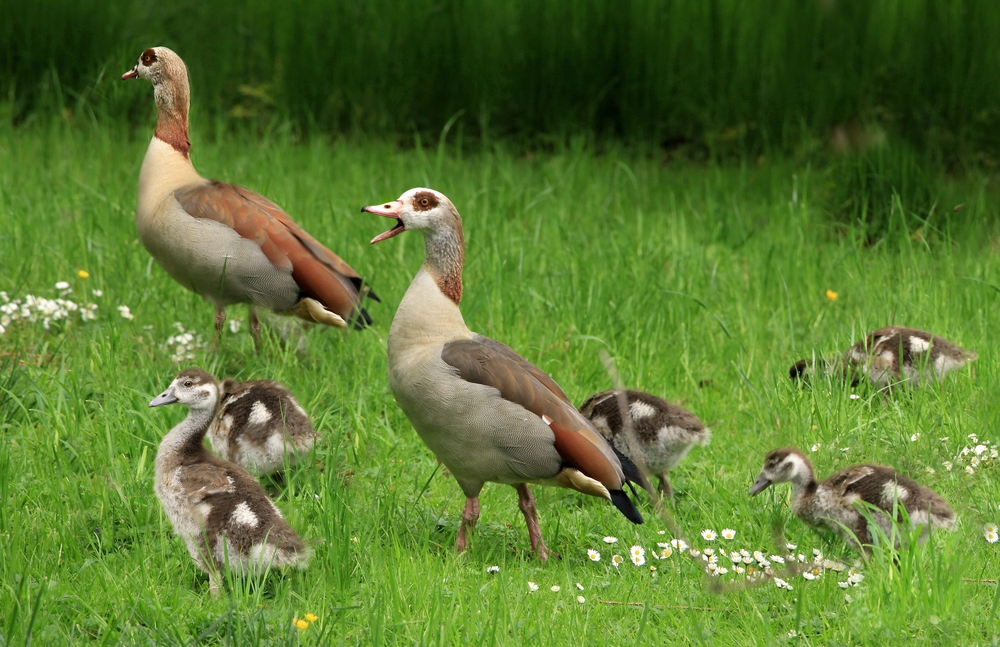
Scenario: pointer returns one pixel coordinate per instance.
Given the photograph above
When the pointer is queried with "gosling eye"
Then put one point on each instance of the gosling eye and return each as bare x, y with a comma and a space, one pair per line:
188, 384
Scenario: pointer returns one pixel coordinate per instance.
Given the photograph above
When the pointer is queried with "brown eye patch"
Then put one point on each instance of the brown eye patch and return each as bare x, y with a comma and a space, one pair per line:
148, 57
424, 201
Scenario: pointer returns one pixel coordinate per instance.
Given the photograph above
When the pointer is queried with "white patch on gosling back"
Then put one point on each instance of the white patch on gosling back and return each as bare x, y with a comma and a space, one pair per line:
918, 344
893, 493
259, 414
639, 410
243, 515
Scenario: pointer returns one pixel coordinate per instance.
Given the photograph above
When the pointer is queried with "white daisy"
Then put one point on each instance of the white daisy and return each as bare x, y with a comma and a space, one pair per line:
808, 575
581, 599
728, 533
708, 534
991, 533
616, 560
125, 312
679, 544
532, 587
855, 396
782, 584
666, 552
555, 588
778, 558
815, 447
914, 438
594, 555
611, 540
492, 569
638, 555
579, 586
947, 465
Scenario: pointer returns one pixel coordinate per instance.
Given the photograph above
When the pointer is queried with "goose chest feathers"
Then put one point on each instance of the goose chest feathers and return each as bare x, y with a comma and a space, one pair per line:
225, 242
486, 412
836, 503
259, 426
664, 432
220, 511
891, 355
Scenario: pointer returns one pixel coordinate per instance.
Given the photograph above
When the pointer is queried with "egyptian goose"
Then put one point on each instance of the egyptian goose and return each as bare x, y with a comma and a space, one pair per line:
890, 355
835, 503
664, 432
219, 509
225, 242
487, 413
259, 424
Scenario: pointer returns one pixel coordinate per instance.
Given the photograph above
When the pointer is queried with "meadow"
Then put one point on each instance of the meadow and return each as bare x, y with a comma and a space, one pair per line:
702, 282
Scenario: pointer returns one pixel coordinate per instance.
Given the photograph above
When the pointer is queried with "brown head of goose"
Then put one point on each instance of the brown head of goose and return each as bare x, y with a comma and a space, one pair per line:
891, 355
220, 511
836, 504
260, 425
487, 413
664, 432
225, 242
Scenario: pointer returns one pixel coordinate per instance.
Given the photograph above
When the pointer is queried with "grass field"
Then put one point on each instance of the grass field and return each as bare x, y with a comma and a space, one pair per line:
702, 283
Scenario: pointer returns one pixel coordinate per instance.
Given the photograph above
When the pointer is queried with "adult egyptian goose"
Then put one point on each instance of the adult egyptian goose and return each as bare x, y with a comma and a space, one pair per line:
891, 355
487, 413
664, 432
224, 242
259, 426
837, 503
220, 511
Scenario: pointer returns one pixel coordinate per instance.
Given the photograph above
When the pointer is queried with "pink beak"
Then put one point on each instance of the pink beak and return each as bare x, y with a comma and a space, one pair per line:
387, 210
131, 74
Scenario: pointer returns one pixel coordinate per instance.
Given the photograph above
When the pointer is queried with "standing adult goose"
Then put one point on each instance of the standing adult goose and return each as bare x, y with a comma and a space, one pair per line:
834, 503
225, 242
664, 432
894, 354
487, 413
217, 507
260, 425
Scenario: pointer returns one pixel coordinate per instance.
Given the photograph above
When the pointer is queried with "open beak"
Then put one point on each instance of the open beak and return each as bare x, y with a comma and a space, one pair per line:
132, 74
167, 397
761, 484
387, 210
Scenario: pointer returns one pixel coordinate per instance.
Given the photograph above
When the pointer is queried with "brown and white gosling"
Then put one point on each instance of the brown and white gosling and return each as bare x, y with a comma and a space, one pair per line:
834, 503
220, 511
258, 425
664, 432
890, 355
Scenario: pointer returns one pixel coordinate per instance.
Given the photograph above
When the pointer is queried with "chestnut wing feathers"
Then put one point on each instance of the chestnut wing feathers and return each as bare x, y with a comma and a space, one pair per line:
320, 274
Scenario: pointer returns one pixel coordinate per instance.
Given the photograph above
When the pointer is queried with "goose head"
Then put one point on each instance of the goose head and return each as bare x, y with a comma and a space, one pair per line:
418, 208
157, 65
194, 388
783, 466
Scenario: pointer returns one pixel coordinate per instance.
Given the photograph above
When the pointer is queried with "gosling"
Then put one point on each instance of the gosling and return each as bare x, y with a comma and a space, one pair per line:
664, 432
837, 503
891, 355
220, 511
260, 424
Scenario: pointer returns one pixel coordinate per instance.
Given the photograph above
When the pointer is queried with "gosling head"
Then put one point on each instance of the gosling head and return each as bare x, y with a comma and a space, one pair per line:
194, 388
782, 466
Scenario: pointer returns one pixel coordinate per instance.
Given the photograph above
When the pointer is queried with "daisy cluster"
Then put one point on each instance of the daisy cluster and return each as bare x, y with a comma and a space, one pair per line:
990, 533
36, 309
970, 459
742, 563
555, 588
183, 345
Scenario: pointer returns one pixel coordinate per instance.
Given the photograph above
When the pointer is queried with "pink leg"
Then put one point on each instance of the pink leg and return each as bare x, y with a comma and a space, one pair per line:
255, 327
526, 502
220, 320
470, 514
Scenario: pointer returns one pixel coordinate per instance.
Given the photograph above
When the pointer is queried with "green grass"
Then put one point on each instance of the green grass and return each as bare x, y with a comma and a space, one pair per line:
703, 283
722, 77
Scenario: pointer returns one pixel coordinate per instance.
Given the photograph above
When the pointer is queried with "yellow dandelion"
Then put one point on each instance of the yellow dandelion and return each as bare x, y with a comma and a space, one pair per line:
831, 295
311, 617
83, 274
301, 624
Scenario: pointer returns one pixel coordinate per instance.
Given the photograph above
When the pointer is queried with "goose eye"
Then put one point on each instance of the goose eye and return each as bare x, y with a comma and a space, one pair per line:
424, 202
188, 384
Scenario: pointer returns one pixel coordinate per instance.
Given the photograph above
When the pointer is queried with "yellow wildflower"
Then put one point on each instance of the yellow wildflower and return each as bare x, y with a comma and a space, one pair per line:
83, 274
831, 295
301, 624
311, 617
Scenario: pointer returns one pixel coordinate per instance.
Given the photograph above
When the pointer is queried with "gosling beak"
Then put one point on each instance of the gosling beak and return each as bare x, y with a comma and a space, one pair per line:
132, 74
167, 397
761, 484
387, 210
